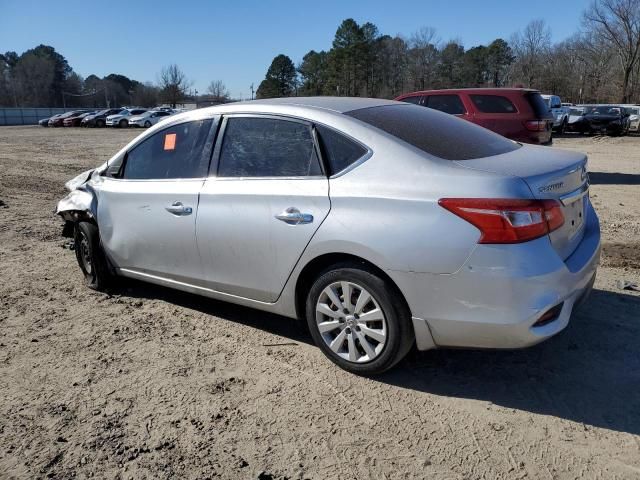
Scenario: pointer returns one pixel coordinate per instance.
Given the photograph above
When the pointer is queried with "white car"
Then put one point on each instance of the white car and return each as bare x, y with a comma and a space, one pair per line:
634, 118
122, 119
559, 111
148, 118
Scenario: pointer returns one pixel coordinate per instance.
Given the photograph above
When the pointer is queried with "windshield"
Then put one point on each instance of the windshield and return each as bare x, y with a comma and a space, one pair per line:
434, 132
604, 110
634, 111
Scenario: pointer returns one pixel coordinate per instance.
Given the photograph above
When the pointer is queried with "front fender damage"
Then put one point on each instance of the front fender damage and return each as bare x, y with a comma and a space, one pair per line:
79, 204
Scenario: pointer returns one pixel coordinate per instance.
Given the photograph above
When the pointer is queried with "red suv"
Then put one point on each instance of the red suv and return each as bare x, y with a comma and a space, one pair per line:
517, 113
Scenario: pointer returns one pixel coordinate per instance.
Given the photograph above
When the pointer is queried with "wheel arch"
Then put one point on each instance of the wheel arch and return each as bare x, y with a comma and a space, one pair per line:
316, 265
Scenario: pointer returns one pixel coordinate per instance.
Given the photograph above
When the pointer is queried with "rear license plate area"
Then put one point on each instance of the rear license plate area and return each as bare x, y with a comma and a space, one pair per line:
574, 215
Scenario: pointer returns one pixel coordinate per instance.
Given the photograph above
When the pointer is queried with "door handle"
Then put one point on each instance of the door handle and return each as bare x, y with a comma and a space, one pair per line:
293, 216
177, 208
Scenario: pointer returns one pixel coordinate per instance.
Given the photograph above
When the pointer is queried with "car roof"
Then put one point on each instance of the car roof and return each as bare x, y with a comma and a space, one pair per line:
480, 90
335, 104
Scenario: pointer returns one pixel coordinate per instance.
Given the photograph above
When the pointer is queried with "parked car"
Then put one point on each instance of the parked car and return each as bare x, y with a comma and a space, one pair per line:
74, 120
634, 118
559, 111
607, 119
576, 122
122, 119
44, 122
57, 120
383, 224
148, 118
99, 119
517, 113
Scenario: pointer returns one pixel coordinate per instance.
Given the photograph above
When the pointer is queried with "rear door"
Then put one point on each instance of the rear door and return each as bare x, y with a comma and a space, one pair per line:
147, 209
450, 103
260, 210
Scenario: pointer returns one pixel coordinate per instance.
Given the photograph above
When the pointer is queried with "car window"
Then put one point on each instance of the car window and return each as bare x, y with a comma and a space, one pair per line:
338, 150
267, 147
434, 132
446, 103
162, 114
415, 99
137, 112
175, 152
493, 104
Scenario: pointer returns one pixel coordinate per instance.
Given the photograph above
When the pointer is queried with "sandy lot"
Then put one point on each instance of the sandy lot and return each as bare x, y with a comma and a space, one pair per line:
149, 383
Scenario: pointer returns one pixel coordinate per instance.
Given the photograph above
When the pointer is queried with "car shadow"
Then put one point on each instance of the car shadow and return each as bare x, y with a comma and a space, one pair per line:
612, 178
589, 373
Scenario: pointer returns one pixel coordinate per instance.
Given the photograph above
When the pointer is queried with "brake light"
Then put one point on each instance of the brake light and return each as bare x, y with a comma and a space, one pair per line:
507, 221
536, 125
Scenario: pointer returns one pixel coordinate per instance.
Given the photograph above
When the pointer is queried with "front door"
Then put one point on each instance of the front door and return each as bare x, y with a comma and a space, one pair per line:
258, 214
147, 213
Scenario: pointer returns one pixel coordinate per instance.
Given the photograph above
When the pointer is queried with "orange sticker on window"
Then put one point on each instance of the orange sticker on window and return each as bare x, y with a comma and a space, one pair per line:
170, 141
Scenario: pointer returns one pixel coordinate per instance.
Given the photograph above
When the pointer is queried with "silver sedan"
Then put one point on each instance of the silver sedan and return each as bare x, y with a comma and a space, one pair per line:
382, 224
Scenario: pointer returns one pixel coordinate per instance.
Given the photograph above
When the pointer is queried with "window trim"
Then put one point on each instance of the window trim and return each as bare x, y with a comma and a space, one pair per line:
366, 156
217, 151
207, 151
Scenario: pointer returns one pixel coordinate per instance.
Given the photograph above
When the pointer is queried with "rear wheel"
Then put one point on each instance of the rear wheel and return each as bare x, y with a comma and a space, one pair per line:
358, 320
563, 127
90, 256
123, 123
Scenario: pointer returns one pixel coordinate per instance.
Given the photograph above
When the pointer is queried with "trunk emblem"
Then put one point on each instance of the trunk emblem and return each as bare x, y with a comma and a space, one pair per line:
551, 187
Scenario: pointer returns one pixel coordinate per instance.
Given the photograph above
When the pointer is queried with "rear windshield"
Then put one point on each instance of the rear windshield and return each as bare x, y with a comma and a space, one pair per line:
539, 106
434, 132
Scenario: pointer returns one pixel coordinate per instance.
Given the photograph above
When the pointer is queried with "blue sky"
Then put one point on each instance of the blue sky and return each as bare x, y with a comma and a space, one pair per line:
236, 41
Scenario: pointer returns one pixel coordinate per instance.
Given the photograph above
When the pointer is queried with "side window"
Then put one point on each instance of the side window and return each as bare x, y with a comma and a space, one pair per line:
338, 150
175, 152
267, 147
493, 104
446, 103
417, 100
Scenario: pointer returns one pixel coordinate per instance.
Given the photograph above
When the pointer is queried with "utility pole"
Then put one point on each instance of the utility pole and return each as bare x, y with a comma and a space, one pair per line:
251, 87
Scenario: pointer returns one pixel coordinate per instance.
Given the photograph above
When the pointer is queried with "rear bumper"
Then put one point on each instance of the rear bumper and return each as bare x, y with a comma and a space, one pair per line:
495, 299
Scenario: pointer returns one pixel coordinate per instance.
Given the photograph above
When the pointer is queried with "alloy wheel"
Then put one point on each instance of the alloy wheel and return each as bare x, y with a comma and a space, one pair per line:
85, 254
351, 322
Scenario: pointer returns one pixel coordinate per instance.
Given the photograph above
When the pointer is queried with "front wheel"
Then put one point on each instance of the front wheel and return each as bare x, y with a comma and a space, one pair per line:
90, 256
123, 123
147, 124
358, 319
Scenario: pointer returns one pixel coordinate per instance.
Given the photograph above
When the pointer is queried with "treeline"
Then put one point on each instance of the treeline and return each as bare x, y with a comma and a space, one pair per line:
599, 63
42, 77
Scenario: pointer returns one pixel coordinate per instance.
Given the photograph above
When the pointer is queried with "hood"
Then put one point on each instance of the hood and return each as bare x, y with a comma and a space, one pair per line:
78, 180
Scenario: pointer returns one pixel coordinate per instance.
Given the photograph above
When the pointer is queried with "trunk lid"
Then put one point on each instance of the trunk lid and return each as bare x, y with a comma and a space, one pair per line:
550, 174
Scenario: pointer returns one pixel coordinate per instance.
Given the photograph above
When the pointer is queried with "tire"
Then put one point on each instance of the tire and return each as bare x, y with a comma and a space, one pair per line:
123, 123
100, 123
563, 127
147, 124
90, 256
387, 340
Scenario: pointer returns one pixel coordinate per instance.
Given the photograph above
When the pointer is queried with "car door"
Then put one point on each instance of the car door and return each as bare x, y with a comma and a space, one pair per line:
260, 208
447, 103
147, 209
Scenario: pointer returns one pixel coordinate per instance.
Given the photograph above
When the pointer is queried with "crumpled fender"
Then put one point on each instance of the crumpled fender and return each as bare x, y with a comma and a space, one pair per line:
78, 203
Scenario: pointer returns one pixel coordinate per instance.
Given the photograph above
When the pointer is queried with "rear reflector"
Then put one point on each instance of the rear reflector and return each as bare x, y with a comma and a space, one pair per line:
549, 316
507, 221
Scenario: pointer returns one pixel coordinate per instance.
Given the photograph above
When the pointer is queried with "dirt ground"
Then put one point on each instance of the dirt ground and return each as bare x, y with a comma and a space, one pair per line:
149, 383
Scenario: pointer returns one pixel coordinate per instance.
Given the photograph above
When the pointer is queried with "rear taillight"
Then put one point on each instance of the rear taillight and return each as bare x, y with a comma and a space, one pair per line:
507, 221
536, 125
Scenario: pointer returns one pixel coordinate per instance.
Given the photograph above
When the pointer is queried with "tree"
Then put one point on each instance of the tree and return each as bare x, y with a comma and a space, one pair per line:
451, 65
423, 58
617, 23
218, 90
173, 85
280, 80
313, 73
499, 59
530, 47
